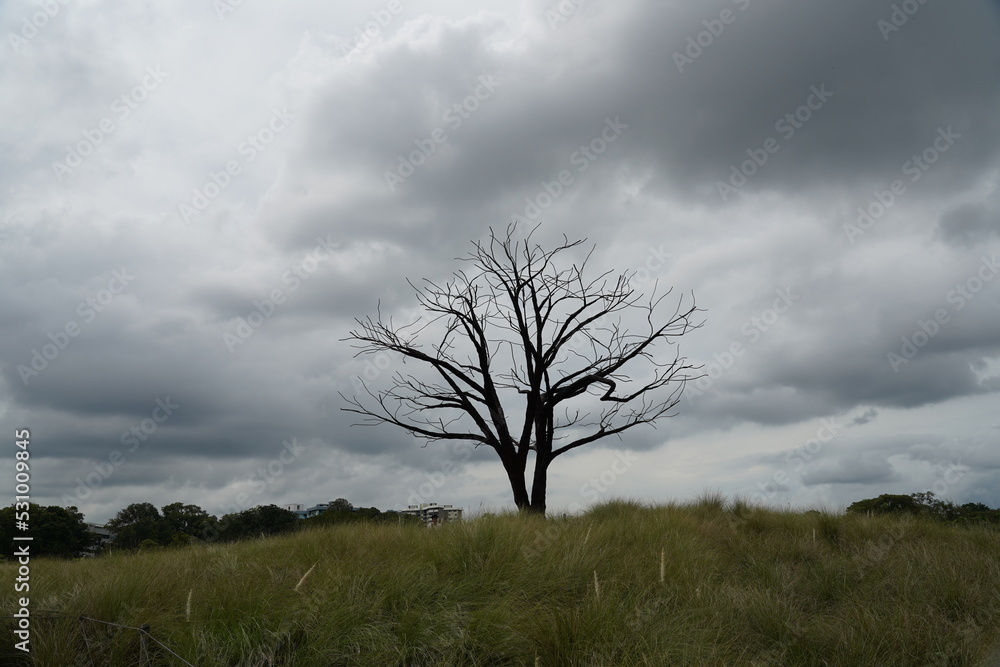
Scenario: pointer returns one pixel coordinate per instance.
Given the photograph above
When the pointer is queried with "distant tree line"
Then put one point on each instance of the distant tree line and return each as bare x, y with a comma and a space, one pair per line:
62, 532
341, 511
925, 504
58, 532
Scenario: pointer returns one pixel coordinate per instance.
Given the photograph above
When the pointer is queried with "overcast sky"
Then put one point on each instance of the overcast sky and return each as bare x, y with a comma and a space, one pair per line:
196, 200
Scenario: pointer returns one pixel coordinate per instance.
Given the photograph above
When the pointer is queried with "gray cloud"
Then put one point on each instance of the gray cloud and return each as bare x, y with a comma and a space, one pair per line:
869, 415
970, 224
883, 236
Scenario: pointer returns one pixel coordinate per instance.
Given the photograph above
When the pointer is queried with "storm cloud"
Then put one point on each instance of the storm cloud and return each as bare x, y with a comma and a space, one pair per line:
196, 202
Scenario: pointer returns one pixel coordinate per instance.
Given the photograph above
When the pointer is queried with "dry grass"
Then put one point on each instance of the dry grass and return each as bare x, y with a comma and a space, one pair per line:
708, 583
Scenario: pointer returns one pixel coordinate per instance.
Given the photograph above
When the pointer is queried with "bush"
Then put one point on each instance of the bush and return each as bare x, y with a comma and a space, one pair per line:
926, 504
257, 521
59, 532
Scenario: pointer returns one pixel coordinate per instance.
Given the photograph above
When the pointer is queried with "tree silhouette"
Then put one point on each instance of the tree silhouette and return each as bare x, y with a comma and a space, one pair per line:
189, 520
340, 505
256, 521
137, 523
57, 531
518, 334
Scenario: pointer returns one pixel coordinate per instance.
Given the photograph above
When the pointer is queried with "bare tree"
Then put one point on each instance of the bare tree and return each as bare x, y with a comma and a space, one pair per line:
518, 333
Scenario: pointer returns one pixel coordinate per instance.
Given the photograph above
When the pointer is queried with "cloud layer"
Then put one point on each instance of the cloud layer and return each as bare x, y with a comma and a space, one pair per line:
198, 202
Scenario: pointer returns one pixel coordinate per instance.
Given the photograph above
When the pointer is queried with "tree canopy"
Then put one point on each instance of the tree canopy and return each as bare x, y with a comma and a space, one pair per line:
257, 521
926, 504
528, 355
137, 523
142, 525
58, 532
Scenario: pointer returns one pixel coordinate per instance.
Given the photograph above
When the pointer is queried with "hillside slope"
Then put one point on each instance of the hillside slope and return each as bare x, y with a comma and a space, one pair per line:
702, 584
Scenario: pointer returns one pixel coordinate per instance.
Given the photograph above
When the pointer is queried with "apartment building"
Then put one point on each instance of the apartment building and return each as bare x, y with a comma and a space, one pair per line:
433, 514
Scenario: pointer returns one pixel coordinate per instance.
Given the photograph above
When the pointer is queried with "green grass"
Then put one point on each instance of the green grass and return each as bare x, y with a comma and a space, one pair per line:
740, 586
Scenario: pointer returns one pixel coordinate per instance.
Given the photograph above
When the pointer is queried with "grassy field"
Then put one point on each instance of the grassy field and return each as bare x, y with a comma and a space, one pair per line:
707, 583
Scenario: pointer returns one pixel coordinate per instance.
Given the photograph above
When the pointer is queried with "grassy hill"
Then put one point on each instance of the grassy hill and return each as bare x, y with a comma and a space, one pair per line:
700, 584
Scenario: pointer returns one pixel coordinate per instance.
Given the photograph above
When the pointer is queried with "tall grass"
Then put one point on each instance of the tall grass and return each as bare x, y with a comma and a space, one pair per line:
709, 583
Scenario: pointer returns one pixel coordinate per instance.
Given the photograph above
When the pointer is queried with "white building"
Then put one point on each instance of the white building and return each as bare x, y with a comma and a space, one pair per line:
298, 508
433, 514
304, 512
101, 535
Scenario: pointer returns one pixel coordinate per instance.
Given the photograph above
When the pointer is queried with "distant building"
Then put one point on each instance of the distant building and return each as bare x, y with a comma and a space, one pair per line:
430, 513
304, 512
433, 514
298, 508
317, 509
102, 535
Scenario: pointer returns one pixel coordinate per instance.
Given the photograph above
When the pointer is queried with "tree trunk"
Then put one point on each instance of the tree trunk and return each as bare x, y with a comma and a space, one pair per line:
543, 457
515, 473
538, 485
